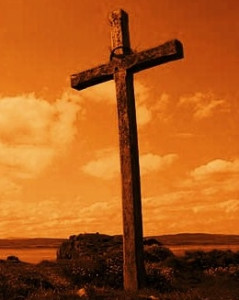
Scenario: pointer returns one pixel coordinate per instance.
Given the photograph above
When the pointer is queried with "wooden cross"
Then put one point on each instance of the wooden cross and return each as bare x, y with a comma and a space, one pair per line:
121, 67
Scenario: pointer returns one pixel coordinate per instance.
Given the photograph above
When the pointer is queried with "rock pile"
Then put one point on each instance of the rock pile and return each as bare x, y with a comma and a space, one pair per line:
89, 244
95, 245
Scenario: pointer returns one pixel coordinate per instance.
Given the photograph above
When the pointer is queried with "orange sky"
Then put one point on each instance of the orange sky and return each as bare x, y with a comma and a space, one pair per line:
59, 161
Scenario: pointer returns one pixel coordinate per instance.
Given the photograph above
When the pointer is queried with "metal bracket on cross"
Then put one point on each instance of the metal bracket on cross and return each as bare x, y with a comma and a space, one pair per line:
126, 51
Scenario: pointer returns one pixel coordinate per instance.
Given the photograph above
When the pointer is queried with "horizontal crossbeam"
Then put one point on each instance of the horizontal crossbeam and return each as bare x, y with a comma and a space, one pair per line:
167, 52
136, 62
92, 76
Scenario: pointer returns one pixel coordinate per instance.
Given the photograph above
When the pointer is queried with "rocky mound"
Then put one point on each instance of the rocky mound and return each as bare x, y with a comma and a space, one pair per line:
101, 245
89, 244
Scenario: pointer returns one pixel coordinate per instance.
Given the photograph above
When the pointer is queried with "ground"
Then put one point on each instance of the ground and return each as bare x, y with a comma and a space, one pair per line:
197, 275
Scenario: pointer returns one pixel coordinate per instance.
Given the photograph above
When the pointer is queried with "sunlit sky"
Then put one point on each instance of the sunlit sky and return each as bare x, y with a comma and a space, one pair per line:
59, 157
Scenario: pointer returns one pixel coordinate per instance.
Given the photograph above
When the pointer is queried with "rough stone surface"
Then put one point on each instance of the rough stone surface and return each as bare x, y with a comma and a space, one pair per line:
89, 244
95, 245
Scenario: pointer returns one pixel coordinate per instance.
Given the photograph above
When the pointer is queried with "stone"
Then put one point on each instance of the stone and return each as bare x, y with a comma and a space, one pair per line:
102, 246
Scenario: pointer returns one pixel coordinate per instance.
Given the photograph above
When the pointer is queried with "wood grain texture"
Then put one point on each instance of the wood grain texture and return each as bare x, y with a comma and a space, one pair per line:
134, 272
135, 62
121, 67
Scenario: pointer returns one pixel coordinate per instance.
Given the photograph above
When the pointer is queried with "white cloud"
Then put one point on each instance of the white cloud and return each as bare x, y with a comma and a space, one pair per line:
143, 111
186, 211
144, 115
101, 92
33, 132
25, 161
207, 197
150, 162
105, 167
203, 105
164, 107
57, 218
163, 102
215, 168
107, 164
8, 187
230, 206
106, 92
218, 179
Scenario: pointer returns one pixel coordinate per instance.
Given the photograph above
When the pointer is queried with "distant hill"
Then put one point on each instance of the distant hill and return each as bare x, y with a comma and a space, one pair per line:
198, 239
170, 240
31, 243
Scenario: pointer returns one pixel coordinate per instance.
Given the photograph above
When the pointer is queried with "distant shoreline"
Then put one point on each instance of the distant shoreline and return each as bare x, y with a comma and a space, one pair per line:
181, 239
35, 255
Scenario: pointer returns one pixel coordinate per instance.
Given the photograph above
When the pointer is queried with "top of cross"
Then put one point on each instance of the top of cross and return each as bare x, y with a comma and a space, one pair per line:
122, 56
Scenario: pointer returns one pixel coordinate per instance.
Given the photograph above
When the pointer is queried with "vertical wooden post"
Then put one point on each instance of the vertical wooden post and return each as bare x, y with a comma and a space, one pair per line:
123, 63
134, 271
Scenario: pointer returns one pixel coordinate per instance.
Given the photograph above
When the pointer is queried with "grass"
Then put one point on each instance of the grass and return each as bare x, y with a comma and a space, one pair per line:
197, 275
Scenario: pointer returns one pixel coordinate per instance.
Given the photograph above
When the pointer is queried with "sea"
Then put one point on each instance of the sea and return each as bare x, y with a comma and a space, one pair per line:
36, 255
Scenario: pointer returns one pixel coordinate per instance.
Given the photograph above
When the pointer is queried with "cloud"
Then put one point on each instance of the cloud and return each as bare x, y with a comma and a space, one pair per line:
216, 168
106, 92
199, 214
203, 105
107, 164
217, 179
164, 107
56, 218
8, 188
230, 206
33, 132
178, 110
150, 162
207, 198
143, 111
25, 161
144, 115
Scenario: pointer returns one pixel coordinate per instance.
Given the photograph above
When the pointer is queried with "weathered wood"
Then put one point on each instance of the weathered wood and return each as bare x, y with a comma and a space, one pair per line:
123, 64
92, 76
130, 176
167, 52
136, 62
134, 271
119, 30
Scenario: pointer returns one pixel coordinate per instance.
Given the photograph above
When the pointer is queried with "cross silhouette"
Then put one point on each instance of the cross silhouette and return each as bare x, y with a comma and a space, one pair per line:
121, 67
